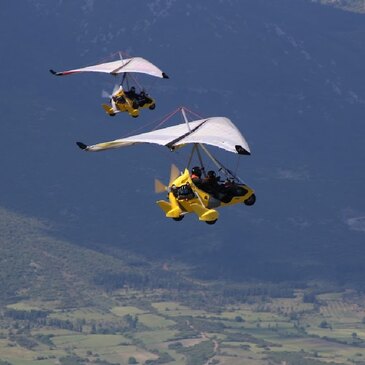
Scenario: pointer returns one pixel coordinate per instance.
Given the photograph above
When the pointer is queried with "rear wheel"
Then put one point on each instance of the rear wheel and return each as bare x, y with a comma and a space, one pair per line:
251, 200
151, 107
211, 222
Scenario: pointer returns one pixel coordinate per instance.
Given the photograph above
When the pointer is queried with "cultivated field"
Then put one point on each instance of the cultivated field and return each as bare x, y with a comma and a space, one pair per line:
330, 329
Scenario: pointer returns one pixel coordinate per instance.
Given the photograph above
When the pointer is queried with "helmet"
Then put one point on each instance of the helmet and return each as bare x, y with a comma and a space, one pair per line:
211, 174
196, 171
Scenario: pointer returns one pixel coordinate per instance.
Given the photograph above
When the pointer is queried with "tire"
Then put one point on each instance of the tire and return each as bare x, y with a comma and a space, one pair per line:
151, 107
112, 114
211, 222
179, 218
251, 200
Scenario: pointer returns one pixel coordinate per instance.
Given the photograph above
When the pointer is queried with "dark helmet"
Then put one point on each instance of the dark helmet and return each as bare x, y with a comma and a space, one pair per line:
196, 171
211, 174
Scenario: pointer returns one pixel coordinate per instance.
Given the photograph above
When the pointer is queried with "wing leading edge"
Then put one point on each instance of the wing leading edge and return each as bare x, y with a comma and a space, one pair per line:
216, 131
135, 64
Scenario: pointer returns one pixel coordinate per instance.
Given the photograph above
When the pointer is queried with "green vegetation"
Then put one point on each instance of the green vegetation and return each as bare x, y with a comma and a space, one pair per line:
357, 6
36, 265
285, 330
199, 353
66, 304
298, 358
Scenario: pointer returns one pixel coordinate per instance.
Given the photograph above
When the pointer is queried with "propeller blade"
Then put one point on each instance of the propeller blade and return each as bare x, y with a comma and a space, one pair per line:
174, 173
116, 89
160, 187
105, 94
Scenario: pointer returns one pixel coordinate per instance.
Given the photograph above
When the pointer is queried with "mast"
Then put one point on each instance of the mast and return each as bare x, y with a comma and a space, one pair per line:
185, 118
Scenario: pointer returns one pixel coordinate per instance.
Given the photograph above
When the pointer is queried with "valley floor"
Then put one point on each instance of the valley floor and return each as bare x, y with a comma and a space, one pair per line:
149, 328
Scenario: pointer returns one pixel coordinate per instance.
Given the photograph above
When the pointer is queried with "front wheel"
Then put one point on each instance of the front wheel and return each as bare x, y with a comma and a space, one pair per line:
251, 200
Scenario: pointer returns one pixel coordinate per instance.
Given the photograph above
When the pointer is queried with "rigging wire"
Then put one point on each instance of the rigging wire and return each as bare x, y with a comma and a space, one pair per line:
237, 164
161, 122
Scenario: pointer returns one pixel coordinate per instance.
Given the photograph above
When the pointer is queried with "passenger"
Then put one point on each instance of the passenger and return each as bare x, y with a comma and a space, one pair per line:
228, 191
143, 99
210, 184
196, 174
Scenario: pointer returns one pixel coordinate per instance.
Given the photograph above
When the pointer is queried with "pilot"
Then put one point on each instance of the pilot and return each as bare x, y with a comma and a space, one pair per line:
196, 174
133, 96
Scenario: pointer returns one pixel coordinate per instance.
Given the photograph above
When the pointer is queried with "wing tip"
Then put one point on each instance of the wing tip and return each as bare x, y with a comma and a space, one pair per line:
81, 145
241, 151
53, 72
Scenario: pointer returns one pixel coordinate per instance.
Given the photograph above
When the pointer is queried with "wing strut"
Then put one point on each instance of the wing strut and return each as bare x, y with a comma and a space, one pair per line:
200, 159
191, 155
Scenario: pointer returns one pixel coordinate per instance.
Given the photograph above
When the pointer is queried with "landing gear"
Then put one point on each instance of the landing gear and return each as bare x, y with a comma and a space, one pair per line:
178, 219
151, 107
251, 200
211, 222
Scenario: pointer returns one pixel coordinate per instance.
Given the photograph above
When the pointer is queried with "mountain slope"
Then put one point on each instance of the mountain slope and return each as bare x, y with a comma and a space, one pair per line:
289, 74
350, 5
35, 265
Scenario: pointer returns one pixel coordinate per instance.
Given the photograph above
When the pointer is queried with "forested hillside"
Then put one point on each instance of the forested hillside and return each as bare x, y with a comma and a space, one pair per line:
350, 5
35, 265
288, 73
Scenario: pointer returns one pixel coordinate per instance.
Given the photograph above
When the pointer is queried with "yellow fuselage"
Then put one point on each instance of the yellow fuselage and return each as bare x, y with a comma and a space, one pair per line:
125, 104
195, 200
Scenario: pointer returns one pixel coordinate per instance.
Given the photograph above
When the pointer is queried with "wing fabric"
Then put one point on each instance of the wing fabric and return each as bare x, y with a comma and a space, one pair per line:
135, 64
217, 131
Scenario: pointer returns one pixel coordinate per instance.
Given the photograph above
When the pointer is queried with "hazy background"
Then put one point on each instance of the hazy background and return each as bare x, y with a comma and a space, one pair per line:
289, 74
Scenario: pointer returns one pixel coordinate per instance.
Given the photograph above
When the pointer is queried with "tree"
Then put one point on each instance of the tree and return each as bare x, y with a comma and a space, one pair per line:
324, 324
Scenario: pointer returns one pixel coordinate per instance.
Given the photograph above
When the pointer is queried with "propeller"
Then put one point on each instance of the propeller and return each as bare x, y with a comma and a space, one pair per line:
174, 174
105, 94
161, 187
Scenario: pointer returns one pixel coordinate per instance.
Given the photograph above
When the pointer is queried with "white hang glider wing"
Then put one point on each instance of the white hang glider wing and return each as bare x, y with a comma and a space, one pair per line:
135, 64
217, 131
